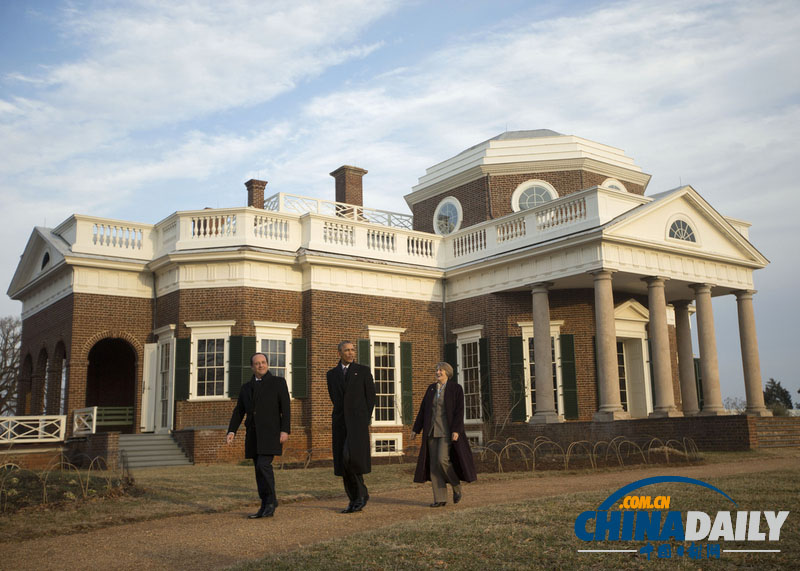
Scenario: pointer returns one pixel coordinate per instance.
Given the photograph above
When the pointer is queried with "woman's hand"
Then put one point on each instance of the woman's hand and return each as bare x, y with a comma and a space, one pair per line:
454, 436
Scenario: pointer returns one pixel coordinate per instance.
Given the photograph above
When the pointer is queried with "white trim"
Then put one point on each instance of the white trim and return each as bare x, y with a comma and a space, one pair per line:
381, 334
396, 436
555, 336
271, 330
208, 330
460, 211
464, 335
522, 187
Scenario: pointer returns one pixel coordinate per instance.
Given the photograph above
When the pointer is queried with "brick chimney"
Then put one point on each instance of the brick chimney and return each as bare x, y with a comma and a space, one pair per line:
349, 188
255, 192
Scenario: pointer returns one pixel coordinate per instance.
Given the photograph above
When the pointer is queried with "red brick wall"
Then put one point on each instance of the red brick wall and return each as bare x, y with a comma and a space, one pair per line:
489, 197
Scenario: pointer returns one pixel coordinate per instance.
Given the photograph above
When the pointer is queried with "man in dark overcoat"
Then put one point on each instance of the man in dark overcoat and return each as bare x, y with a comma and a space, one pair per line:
264, 399
352, 391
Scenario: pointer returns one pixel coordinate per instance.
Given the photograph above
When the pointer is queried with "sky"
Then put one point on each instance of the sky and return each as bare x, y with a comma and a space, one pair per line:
136, 109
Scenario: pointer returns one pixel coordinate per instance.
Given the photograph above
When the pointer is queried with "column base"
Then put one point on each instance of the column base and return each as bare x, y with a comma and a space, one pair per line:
669, 413
609, 415
549, 417
691, 412
713, 412
758, 412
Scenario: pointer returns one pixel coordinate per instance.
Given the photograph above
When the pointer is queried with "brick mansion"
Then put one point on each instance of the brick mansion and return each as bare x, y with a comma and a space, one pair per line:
534, 262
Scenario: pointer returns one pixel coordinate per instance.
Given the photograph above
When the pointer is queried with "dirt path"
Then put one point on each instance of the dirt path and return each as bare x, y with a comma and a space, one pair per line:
214, 541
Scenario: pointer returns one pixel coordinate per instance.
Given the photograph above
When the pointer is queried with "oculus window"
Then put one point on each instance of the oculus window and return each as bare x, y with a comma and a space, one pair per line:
680, 230
448, 216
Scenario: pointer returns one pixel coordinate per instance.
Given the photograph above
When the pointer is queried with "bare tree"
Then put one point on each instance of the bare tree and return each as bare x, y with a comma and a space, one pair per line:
10, 338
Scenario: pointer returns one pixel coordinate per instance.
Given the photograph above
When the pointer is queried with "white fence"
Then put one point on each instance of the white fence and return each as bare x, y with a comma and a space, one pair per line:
17, 429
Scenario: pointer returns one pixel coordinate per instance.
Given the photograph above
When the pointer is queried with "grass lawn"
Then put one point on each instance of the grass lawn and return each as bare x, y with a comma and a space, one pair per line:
540, 534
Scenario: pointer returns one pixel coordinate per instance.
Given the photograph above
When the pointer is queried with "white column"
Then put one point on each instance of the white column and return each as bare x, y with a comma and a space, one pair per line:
542, 356
751, 364
709, 363
659, 344
610, 405
683, 332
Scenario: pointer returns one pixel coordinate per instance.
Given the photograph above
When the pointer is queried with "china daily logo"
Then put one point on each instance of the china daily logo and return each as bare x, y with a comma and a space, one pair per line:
630, 515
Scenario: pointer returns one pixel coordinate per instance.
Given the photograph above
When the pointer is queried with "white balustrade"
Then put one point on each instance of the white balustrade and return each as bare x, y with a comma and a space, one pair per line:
283, 202
271, 228
32, 428
420, 247
381, 240
117, 236
561, 214
84, 421
511, 229
338, 234
469, 243
213, 226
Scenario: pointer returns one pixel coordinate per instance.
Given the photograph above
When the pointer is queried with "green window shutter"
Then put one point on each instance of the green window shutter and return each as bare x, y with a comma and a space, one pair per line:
569, 378
235, 357
517, 369
363, 352
299, 369
406, 385
183, 348
486, 383
451, 358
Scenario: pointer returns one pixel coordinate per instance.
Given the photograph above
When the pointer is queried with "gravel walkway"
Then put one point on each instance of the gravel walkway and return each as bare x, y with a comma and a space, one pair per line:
214, 541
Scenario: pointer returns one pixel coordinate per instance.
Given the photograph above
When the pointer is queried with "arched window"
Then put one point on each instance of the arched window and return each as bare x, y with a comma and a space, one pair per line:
680, 230
615, 184
45, 260
448, 216
531, 194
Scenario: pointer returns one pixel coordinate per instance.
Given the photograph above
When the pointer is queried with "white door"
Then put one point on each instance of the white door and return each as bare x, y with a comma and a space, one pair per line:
163, 388
149, 376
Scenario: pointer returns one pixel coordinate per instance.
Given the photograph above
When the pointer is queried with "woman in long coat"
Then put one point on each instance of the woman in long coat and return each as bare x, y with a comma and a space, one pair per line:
444, 455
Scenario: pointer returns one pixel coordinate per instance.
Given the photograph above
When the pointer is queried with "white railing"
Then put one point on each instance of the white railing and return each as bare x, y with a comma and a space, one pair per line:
14, 429
293, 203
294, 223
84, 421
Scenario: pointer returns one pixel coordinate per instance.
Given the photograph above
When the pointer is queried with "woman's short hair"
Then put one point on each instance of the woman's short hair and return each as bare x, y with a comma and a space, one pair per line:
446, 368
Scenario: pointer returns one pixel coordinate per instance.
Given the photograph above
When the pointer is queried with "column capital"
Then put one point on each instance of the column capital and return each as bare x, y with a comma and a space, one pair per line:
601, 274
541, 287
654, 280
682, 303
701, 287
745, 293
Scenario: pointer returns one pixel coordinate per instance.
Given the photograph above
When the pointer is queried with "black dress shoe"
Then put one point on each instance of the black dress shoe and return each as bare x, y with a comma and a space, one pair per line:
267, 511
359, 504
456, 497
438, 504
349, 509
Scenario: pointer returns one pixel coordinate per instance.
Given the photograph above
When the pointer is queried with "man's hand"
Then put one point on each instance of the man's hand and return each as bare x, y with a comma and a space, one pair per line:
230, 437
454, 436
284, 437
413, 435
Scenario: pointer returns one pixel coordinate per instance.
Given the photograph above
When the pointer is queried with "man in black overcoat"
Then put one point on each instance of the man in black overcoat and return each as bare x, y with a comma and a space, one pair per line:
265, 401
352, 391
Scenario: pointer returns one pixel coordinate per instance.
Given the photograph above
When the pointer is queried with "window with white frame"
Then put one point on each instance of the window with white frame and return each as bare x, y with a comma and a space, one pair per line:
469, 370
532, 193
530, 366
387, 444
385, 352
448, 216
275, 341
474, 437
615, 184
209, 372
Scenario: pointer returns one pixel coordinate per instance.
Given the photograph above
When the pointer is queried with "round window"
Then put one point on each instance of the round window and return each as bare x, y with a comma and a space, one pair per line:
532, 193
448, 216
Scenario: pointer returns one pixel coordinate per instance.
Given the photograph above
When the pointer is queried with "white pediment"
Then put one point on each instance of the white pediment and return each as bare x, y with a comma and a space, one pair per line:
714, 235
631, 310
43, 255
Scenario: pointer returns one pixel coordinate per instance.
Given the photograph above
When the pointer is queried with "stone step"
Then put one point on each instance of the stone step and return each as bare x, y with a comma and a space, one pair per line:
142, 450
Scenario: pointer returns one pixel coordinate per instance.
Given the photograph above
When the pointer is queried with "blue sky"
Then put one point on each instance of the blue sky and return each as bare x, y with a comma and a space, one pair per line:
136, 109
